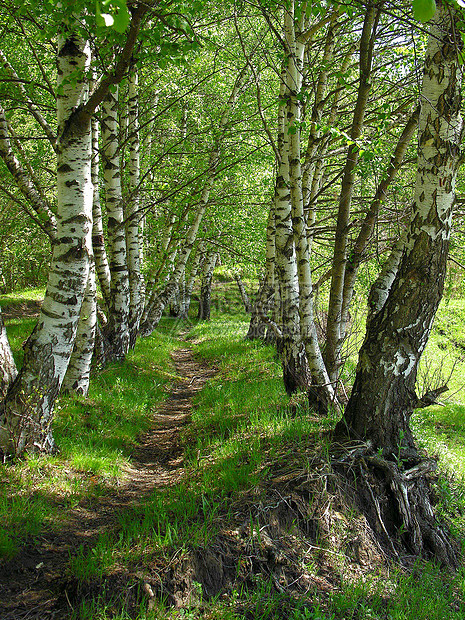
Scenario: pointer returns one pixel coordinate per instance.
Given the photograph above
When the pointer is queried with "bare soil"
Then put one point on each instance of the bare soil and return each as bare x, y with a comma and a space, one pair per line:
36, 583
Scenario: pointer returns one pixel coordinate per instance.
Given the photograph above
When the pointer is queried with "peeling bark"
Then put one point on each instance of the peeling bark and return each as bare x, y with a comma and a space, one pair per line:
402, 313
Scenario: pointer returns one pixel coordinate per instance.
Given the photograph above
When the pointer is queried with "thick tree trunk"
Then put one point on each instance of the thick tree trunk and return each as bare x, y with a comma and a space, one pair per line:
406, 299
28, 407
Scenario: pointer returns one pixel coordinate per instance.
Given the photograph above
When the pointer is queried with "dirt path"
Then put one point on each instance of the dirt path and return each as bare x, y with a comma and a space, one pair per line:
34, 584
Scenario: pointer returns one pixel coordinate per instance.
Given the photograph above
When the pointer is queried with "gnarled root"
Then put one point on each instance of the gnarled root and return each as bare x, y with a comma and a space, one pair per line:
397, 502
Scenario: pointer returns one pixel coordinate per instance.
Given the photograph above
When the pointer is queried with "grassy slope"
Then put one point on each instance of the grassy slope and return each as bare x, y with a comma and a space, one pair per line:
244, 429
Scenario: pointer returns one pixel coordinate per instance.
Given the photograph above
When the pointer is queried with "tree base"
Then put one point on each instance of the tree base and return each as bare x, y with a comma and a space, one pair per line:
395, 496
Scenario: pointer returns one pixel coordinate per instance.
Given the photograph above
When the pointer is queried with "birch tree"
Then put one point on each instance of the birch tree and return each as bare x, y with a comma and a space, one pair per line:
404, 300
27, 410
117, 330
28, 407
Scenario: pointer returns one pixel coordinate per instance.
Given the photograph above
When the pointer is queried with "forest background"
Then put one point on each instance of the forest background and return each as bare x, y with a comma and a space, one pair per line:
309, 149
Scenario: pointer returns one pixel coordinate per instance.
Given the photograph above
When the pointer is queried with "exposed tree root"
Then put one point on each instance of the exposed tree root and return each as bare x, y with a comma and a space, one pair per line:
396, 497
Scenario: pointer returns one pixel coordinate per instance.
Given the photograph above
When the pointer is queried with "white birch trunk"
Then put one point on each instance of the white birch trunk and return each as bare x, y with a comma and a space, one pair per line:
102, 267
295, 370
132, 216
77, 376
206, 286
321, 391
26, 417
189, 286
243, 292
8, 370
117, 330
265, 297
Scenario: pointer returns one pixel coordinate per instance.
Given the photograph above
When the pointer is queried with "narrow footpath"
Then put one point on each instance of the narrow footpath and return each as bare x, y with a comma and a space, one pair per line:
35, 584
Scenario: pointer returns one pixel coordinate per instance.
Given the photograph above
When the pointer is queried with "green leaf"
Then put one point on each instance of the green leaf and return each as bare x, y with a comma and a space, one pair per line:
115, 14
122, 17
423, 10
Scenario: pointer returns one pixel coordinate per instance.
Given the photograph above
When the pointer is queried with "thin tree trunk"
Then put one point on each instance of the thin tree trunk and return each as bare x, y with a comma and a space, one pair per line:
333, 327
24, 182
189, 285
132, 216
321, 392
243, 293
266, 293
98, 240
77, 376
206, 287
368, 225
117, 330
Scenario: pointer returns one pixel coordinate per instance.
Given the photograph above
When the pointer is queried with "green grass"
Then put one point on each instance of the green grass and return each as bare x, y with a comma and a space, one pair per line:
95, 437
21, 297
243, 424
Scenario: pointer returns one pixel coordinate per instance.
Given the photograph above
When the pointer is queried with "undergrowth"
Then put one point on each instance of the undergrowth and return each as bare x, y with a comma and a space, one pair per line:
245, 434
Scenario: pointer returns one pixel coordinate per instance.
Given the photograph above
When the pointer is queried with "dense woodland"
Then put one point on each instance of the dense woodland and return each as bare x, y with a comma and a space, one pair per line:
307, 152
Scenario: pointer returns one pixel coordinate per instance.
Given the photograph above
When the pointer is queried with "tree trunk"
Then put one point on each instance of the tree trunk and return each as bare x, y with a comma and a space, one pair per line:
206, 287
132, 216
28, 407
243, 293
77, 376
117, 330
188, 287
8, 370
321, 392
406, 299
334, 337
98, 240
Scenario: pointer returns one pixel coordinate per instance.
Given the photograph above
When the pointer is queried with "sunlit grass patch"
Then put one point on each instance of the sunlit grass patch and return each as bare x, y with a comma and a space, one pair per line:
441, 429
95, 437
17, 298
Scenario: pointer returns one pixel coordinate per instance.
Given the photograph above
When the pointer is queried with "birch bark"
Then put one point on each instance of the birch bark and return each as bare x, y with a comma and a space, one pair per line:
321, 392
117, 330
28, 407
102, 267
401, 316
77, 376
206, 287
132, 216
